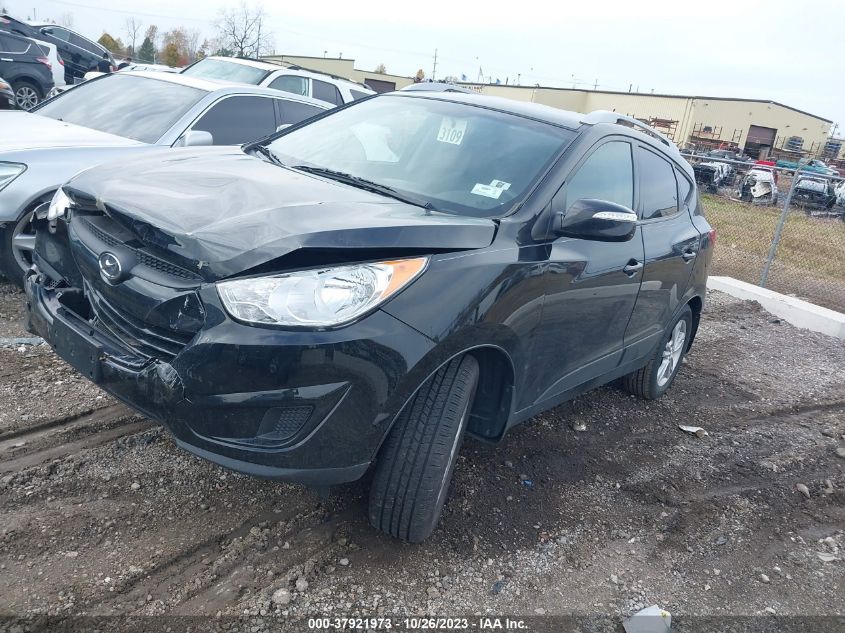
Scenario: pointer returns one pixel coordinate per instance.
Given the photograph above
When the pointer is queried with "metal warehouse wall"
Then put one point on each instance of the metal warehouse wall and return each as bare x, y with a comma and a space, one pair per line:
729, 119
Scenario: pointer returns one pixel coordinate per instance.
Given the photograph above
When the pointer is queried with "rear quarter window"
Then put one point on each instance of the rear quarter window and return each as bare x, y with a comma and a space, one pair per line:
658, 187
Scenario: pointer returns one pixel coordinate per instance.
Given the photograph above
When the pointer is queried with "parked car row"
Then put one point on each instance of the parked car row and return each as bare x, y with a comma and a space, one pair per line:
26, 67
79, 54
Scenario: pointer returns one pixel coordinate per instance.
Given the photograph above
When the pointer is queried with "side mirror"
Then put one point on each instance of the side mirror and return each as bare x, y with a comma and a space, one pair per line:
195, 138
597, 220
47, 30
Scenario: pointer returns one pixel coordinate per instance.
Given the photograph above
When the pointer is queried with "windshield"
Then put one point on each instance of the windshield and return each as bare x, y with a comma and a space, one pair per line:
222, 70
134, 107
457, 157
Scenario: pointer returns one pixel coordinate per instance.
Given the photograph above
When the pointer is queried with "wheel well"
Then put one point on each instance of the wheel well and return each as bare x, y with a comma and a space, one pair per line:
491, 408
696, 305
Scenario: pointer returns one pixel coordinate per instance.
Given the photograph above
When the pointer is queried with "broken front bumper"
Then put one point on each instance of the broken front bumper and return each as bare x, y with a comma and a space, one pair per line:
309, 407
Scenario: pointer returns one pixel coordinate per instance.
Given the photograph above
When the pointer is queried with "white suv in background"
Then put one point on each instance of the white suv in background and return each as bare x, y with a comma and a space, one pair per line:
296, 80
57, 64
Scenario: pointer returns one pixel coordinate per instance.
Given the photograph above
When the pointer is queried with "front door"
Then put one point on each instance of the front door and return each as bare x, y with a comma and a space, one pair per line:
591, 287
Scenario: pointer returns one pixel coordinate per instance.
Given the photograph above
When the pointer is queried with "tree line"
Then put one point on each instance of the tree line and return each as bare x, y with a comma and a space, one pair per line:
240, 30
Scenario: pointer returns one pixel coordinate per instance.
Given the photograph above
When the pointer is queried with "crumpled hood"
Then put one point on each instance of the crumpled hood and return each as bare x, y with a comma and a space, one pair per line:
223, 212
24, 131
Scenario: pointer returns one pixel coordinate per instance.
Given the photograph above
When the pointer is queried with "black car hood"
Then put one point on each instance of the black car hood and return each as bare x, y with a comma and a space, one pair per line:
225, 212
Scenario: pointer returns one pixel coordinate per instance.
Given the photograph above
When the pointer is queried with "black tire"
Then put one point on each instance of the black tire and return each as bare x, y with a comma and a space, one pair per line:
416, 462
33, 92
645, 382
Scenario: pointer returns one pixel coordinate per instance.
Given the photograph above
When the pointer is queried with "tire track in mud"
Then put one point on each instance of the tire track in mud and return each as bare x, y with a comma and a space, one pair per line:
67, 436
214, 574
86, 416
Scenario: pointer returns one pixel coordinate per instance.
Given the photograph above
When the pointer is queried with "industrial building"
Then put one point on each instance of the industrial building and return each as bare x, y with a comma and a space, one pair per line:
760, 128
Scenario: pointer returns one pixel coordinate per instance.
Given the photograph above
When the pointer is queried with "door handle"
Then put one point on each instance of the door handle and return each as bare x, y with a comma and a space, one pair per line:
689, 254
632, 267
6, 59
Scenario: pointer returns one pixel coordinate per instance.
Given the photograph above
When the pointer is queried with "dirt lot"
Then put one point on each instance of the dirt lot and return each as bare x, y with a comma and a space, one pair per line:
101, 514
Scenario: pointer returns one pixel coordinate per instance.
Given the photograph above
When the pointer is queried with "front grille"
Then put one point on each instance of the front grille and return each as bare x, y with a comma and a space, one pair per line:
144, 258
100, 234
143, 338
162, 266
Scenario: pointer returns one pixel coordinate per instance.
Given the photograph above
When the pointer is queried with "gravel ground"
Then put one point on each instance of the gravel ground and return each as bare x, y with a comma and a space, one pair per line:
597, 508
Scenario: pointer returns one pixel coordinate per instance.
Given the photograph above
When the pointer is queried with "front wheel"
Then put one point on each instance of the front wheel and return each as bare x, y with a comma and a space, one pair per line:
416, 463
652, 381
18, 242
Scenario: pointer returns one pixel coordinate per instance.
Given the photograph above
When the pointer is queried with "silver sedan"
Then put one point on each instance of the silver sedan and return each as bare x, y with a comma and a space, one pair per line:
114, 116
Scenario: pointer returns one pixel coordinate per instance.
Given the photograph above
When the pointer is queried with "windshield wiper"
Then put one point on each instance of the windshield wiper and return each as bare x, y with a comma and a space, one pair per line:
367, 185
267, 153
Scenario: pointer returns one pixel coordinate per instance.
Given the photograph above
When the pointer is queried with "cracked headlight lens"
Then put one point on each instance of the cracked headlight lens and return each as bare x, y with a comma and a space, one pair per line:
318, 298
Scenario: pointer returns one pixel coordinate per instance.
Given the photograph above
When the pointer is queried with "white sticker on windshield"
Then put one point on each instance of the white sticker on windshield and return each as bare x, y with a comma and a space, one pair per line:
501, 184
452, 130
487, 190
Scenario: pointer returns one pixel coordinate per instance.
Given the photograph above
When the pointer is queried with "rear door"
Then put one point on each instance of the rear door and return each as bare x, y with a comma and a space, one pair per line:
73, 56
16, 57
671, 246
293, 112
591, 287
324, 91
239, 119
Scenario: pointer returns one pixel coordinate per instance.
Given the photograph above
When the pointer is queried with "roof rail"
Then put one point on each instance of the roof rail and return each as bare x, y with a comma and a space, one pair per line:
606, 116
322, 72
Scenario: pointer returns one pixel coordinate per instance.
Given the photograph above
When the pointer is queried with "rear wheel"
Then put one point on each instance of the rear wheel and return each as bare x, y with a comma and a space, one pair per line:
416, 463
27, 94
652, 381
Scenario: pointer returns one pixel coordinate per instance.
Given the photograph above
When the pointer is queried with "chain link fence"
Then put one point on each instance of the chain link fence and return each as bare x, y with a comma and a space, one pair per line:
778, 227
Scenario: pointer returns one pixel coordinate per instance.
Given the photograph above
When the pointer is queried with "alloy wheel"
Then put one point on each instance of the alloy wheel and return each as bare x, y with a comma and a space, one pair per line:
672, 353
23, 242
26, 97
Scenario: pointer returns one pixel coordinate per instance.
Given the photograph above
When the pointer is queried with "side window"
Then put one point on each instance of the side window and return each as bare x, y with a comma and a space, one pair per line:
357, 94
60, 34
608, 174
684, 187
326, 92
658, 189
10, 44
81, 42
291, 83
293, 112
238, 120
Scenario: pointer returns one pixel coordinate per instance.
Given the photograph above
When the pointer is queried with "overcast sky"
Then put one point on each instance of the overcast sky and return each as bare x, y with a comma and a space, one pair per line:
778, 49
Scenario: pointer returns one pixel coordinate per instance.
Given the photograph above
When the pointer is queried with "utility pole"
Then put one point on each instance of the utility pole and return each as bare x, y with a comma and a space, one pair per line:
434, 68
518, 75
596, 85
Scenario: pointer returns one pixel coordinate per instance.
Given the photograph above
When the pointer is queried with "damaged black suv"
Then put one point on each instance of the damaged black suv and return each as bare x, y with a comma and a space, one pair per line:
363, 290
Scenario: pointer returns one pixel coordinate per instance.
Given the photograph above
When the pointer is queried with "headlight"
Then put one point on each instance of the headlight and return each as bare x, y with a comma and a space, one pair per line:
317, 298
10, 171
58, 205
